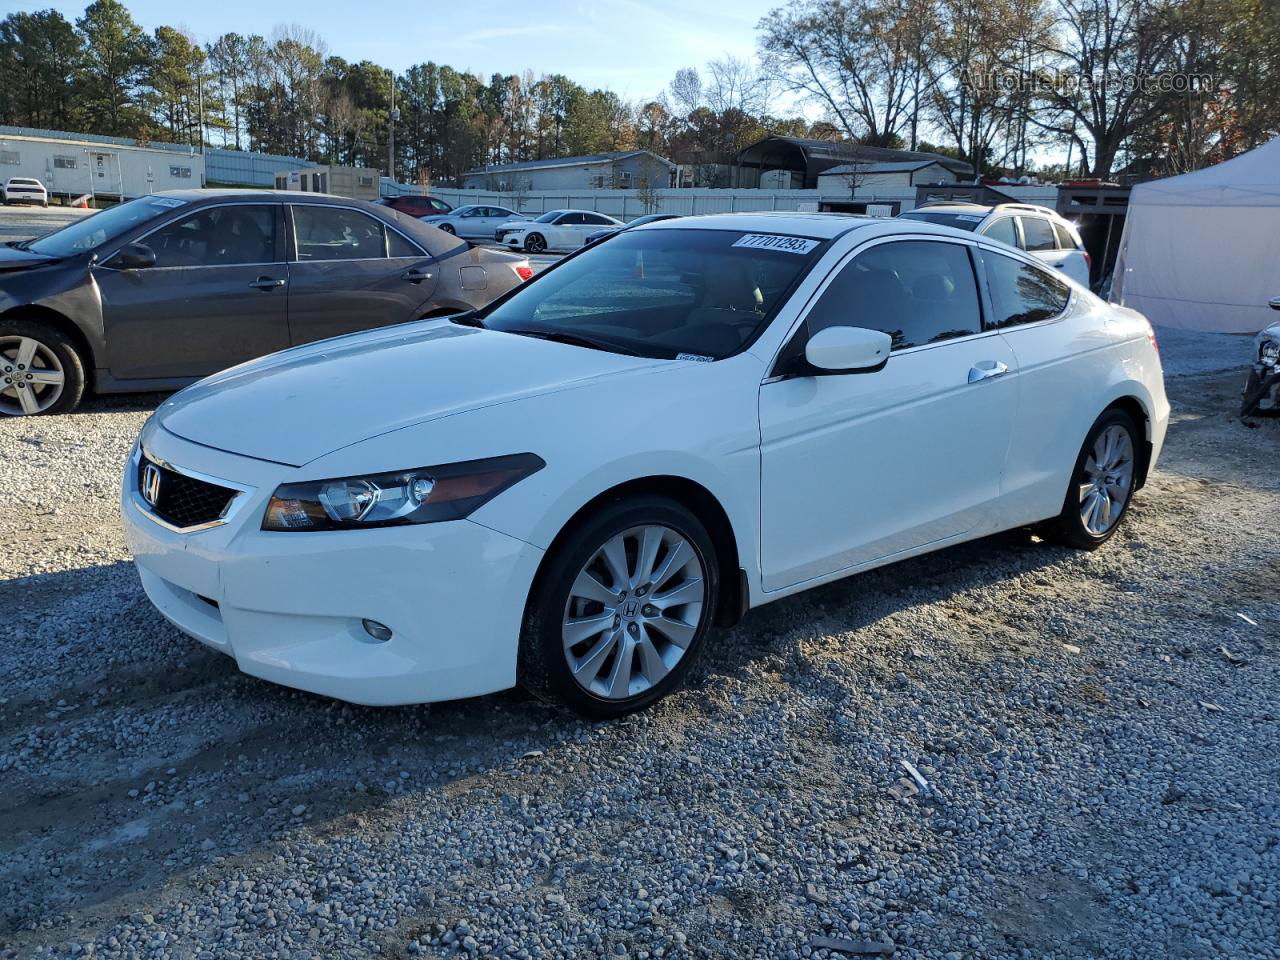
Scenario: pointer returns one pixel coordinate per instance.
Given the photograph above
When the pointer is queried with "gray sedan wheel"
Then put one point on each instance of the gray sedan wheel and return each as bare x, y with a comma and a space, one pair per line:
40, 370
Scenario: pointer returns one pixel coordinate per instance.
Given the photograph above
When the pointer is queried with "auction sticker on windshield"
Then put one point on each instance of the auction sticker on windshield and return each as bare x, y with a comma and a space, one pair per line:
769, 241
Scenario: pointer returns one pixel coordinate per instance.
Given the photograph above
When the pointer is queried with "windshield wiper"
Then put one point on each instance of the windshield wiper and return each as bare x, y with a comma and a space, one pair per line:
575, 340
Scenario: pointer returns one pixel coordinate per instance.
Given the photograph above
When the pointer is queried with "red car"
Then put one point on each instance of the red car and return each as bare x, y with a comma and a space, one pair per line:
414, 206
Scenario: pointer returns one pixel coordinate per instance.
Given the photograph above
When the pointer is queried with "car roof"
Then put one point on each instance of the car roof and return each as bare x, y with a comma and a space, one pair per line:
953, 208
292, 196
821, 225
1012, 207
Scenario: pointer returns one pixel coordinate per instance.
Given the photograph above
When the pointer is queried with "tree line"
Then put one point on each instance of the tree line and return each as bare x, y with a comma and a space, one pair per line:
996, 82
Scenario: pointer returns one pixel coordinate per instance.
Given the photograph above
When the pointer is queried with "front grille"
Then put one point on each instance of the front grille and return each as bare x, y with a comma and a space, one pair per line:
181, 500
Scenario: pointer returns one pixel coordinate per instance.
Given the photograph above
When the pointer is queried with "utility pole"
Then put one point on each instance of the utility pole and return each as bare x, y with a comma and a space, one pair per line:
200, 89
391, 133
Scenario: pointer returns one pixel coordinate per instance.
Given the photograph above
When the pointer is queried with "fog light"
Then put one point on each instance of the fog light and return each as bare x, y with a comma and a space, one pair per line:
380, 632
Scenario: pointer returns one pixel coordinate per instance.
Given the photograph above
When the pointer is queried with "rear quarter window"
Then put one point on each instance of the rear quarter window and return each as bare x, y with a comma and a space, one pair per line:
1020, 292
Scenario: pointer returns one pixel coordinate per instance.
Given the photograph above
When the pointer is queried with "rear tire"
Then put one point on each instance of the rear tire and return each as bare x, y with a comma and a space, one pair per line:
1102, 484
653, 615
40, 370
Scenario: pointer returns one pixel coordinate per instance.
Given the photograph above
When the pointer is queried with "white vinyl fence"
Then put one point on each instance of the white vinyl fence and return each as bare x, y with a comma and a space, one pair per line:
628, 204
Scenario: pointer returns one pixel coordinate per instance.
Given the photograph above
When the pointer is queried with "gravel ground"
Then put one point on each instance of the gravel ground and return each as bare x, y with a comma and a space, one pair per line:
1099, 734
1193, 351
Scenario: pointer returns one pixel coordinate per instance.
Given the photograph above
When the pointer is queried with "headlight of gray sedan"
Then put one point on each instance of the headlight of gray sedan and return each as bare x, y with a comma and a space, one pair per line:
425, 495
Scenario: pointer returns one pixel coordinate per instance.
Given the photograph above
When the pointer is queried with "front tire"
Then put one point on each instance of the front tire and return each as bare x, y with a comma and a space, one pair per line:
535, 243
1102, 484
448, 228
40, 370
622, 609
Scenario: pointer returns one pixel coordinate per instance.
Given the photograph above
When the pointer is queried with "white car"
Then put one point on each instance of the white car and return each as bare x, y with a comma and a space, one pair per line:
556, 230
475, 222
25, 190
568, 488
1038, 230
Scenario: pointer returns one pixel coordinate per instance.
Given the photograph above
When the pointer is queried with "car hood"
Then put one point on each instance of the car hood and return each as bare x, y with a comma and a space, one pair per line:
295, 406
11, 258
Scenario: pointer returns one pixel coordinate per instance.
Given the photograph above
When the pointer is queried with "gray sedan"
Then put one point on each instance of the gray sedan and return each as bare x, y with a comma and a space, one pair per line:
160, 291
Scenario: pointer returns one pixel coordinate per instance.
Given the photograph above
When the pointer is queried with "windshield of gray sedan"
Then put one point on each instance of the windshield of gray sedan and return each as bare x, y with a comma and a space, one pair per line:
696, 294
98, 228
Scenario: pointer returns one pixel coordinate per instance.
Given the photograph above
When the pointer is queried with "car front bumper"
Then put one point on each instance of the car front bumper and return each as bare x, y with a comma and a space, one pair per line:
289, 606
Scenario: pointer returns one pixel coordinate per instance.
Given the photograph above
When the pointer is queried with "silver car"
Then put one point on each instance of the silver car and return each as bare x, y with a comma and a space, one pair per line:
475, 222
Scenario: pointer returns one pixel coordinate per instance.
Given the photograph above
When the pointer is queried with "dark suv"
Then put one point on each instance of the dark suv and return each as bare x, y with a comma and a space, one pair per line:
417, 206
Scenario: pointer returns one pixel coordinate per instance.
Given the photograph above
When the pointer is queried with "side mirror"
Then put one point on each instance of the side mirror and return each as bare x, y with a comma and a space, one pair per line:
1274, 303
132, 256
847, 350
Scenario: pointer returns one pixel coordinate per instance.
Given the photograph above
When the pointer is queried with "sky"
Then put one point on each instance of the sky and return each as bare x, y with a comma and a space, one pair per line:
632, 47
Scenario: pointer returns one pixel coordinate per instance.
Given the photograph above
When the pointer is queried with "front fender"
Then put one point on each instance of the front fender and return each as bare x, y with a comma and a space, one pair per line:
695, 421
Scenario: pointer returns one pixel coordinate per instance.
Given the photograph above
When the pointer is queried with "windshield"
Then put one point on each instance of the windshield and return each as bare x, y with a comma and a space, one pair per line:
961, 221
98, 228
549, 216
700, 294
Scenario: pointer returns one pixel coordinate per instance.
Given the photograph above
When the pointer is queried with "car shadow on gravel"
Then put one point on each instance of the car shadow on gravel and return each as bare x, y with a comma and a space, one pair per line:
861, 600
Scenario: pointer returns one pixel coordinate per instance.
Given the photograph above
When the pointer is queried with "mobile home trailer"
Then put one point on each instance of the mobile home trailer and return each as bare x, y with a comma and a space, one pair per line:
71, 167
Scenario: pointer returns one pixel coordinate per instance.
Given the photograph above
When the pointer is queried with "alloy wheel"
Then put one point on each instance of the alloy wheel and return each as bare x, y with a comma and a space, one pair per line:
31, 376
633, 611
1107, 480
535, 244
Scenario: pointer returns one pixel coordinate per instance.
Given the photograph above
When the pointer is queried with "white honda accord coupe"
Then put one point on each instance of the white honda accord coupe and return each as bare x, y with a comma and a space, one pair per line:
570, 487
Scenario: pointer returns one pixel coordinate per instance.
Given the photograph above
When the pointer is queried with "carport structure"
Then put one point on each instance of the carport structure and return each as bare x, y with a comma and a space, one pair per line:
808, 158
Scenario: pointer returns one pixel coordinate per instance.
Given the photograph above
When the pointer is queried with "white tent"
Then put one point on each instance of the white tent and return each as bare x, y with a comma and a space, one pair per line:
1202, 251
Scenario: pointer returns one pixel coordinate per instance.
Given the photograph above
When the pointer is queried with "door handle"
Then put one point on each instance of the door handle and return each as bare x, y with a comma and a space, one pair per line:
266, 283
1059, 266
986, 369
415, 276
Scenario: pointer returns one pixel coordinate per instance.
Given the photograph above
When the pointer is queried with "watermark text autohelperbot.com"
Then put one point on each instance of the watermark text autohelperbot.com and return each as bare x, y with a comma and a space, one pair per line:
1064, 82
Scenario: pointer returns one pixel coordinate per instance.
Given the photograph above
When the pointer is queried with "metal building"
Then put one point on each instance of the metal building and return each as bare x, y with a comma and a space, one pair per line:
358, 183
71, 166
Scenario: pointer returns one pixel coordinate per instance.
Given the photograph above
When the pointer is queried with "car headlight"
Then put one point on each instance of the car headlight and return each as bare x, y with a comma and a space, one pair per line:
1269, 352
426, 495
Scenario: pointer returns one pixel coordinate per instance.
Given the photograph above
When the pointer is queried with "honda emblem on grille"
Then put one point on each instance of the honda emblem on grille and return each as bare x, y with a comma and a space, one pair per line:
151, 484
